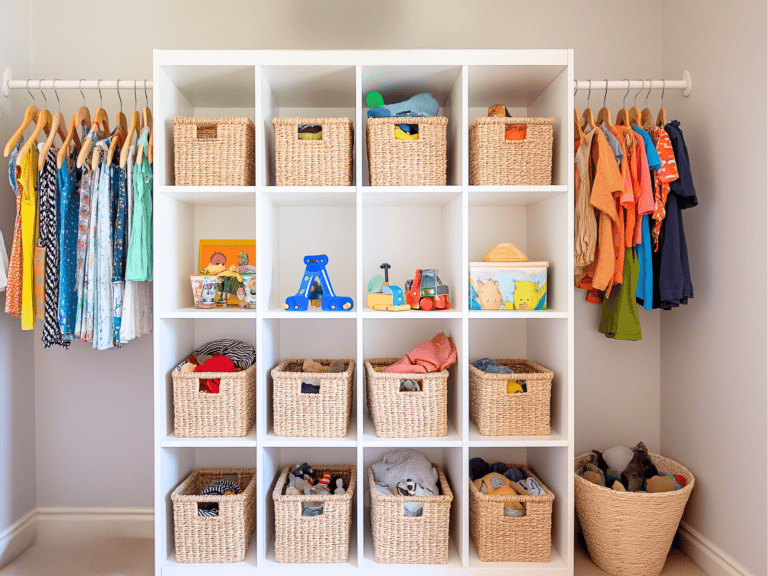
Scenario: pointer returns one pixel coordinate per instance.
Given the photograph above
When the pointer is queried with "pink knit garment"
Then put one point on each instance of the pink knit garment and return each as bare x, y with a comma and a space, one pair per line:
431, 356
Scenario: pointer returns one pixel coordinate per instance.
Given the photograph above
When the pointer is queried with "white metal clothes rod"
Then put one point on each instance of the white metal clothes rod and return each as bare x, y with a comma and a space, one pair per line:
647, 84
10, 84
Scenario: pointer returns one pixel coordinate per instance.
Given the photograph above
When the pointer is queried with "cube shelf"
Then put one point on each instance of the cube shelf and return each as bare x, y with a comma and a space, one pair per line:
359, 227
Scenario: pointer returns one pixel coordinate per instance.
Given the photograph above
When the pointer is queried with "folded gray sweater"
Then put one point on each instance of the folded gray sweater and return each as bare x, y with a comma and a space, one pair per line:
401, 465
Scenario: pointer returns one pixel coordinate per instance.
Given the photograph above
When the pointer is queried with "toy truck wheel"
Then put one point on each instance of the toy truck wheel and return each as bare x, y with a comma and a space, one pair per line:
426, 304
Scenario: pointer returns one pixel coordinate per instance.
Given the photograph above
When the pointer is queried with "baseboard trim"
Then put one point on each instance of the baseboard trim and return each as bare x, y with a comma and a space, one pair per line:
18, 537
45, 523
707, 555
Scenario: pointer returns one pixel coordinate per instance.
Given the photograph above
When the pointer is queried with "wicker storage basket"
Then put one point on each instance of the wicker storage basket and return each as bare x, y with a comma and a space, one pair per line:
393, 162
399, 539
322, 415
630, 533
495, 161
326, 162
214, 151
231, 412
500, 538
398, 414
222, 538
313, 539
496, 413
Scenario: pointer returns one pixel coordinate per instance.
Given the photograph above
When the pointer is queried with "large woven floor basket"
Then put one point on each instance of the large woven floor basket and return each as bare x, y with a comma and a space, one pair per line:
222, 538
313, 539
630, 533
325, 162
398, 414
214, 151
498, 413
496, 161
500, 538
393, 162
399, 539
321, 415
231, 412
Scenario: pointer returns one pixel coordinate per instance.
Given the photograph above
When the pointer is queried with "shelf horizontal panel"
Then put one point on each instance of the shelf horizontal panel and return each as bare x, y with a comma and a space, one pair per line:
517, 314
272, 566
555, 567
478, 440
228, 196
451, 440
349, 441
411, 314
247, 441
310, 195
396, 196
246, 567
515, 196
228, 313
299, 315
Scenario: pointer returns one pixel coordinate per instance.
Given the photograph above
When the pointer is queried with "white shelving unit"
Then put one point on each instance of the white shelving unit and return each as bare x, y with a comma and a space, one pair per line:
359, 227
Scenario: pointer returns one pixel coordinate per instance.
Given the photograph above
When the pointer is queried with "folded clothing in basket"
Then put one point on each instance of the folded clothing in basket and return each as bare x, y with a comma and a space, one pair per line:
227, 486
304, 480
490, 366
501, 480
431, 356
218, 356
406, 472
310, 132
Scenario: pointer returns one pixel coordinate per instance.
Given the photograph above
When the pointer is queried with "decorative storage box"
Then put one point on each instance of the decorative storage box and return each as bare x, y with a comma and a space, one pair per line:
628, 532
398, 414
231, 412
399, 539
393, 162
322, 415
318, 162
508, 285
496, 161
500, 538
496, 412
214, 151
313, 539
222, 538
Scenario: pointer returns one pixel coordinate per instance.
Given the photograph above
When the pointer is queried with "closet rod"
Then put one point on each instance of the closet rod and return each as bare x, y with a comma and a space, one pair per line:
684, 84
10, 84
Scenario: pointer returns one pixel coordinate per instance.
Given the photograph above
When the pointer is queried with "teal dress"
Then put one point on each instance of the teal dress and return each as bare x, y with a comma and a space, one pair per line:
138, 267
69, 207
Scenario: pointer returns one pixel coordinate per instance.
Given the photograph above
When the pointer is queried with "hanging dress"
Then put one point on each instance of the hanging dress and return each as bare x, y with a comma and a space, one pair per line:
87, 179
119, 245
69, 203
128, 316
139, 264
89, 282
49, 240
13, 290
103, 337
28, 192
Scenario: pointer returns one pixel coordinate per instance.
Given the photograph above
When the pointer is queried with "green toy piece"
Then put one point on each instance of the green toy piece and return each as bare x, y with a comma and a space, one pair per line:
374, 100
376, 284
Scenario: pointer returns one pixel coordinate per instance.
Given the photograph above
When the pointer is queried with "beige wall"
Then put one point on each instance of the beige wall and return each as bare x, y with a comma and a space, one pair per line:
17, 382
109, 415
713, 352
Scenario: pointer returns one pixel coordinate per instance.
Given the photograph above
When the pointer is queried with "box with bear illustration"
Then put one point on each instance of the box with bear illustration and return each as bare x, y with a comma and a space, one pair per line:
508, 285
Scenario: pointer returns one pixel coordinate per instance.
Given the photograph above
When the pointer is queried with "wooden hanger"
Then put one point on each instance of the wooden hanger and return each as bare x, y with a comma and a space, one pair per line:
44, 122
634, 112
622, 118
604, 116
133, 129
100, 118
647, 117
588, 118
122, 126
661, 119
147, 117
81, 118
56, 128
30, 115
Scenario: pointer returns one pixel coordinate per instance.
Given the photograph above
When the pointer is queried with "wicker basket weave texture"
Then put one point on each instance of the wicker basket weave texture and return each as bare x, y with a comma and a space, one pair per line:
398, 414
497, 413
630, 533
511, 539
496, 161
326, 162
230, 413
399, 539
393, 162
214, 151
313, 539
321, 415
223, 538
